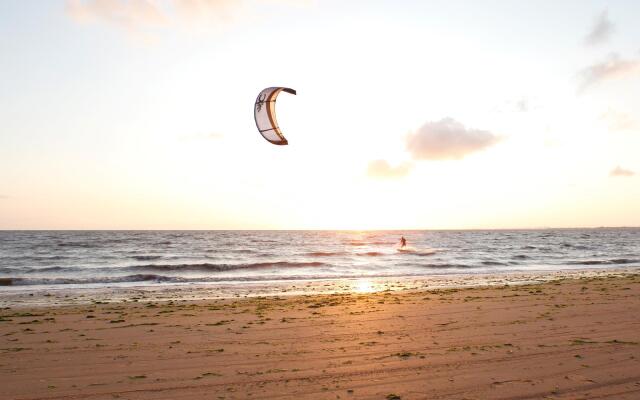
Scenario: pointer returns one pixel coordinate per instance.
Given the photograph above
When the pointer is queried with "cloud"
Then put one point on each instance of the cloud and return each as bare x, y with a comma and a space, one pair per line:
381, 169
3, 197
136, 17
447, 139
613, 68
618, 171
601, 31
619, 121
144, 18
205, 14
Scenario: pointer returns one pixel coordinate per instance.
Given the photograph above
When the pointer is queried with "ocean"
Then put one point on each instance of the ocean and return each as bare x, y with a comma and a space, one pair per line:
85, 259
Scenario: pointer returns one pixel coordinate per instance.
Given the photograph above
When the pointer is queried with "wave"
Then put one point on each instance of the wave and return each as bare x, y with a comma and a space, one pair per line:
176, 268
324, 253
418, 253
36, 270
148, 279
342, 253
238, 251
53, 269
492, 263
424, 253
371, 254
223, 267
576, 246
604, 262
222, 251
83, 245
448, 266
368, 242
85, 281
146, 258
38, 257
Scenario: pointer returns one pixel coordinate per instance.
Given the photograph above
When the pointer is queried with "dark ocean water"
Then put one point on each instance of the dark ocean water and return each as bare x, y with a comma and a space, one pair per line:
90, 258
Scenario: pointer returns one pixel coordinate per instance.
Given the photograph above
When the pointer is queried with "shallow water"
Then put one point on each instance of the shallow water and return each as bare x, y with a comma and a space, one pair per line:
123, 258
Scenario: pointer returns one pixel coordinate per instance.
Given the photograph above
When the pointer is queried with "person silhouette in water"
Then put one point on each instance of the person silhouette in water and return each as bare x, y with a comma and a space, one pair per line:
403, 242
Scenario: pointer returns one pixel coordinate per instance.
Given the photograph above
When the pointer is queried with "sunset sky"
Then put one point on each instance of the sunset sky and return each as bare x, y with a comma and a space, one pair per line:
138, 114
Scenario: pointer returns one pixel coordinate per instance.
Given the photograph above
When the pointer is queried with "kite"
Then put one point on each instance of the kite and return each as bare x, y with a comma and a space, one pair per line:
264, 113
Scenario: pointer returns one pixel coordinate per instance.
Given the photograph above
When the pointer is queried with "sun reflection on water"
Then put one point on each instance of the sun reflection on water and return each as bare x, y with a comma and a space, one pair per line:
363, 286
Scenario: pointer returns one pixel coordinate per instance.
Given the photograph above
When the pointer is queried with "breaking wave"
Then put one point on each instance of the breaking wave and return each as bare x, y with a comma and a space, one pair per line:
223, 267
84, 281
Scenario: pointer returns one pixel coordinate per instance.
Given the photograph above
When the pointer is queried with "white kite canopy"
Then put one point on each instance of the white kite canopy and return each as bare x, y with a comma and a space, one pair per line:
264, 112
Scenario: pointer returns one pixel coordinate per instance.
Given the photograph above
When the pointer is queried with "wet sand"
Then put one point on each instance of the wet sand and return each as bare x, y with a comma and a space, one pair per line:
568, 339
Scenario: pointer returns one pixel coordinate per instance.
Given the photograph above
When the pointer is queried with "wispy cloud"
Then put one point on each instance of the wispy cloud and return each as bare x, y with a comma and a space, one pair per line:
381, 169
612, 68
206, 14
138, 18
144, 18
3, 197
619, 171
601, 30
447, 139
619, 121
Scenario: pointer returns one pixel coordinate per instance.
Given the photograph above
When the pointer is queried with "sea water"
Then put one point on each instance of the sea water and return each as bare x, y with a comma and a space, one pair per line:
37, 259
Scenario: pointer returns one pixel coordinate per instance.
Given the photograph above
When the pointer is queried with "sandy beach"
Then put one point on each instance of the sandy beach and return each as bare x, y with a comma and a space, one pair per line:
568, 339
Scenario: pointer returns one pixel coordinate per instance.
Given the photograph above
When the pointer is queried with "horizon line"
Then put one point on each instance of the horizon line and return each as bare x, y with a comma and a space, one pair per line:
316, 230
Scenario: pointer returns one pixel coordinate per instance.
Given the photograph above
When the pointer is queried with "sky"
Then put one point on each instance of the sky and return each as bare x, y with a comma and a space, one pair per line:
138, 114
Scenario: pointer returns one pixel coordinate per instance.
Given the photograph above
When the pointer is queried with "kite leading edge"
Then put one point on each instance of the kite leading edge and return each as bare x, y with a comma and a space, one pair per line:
264, 112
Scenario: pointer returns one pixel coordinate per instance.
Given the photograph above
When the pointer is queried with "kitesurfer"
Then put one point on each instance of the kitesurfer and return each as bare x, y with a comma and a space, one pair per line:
403, 242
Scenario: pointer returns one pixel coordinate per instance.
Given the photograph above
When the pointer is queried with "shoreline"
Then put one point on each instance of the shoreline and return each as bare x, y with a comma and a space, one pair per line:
61, 295
561, 339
